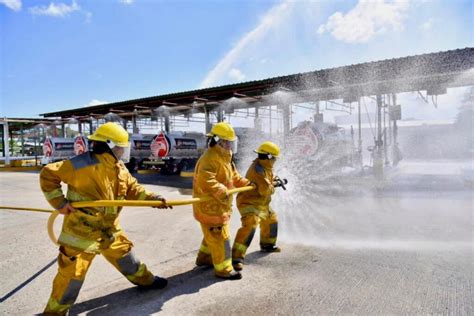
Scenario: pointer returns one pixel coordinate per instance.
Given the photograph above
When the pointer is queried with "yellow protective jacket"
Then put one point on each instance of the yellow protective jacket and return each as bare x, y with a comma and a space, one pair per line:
214, 175
90, 177
256, 201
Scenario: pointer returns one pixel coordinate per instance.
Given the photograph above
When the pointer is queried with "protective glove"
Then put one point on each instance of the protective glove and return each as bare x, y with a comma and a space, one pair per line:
66, 209
162, 199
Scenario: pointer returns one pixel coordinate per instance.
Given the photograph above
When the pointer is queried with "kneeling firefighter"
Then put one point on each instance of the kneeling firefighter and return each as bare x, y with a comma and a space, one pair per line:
215, 174
98, 174
254, 206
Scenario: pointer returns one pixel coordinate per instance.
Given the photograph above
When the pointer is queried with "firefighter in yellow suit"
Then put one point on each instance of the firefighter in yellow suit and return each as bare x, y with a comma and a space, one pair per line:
98, 174
215, 174
254, 206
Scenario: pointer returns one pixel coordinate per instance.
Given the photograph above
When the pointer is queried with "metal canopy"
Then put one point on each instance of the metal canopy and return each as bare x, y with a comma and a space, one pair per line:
16, 124
432, 72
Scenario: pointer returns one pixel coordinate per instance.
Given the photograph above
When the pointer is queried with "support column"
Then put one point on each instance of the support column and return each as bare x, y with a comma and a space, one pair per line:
208, 120
257, 123
91, 127
22, 140
79, 127
167, 122
359, 122
286, 119
134, 124
385, 143
359, 141
378, 154
396, 154
270, 118
220, 116
6, 143
63, 130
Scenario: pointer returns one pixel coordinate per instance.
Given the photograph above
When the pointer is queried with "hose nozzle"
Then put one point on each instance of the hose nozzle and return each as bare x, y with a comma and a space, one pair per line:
280, 183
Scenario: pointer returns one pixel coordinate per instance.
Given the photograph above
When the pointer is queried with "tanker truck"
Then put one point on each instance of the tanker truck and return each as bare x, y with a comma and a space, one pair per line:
177, 152
139, 152
321, 146
56, 149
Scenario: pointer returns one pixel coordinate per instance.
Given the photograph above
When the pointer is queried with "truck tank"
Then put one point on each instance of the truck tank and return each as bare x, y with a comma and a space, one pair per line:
139, 152
56, 149
177, 151
320, 142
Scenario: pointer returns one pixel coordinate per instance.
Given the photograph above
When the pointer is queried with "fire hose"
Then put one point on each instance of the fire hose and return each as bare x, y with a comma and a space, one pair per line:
109, 203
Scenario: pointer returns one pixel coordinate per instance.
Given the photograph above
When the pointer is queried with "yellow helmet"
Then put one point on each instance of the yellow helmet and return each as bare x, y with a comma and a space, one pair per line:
268, 148
223, 130
111, 132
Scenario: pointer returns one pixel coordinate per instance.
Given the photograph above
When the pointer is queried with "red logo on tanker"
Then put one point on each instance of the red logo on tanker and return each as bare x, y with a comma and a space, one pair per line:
47, 148
80, 146
160, 146
303, 141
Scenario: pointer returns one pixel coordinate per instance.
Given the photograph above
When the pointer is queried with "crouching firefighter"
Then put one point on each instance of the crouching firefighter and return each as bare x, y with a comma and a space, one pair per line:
99, 174
254, 206
215, 174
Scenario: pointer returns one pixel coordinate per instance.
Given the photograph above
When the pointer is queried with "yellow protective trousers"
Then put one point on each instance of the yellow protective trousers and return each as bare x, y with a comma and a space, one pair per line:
215, 249
73, 266
268, 222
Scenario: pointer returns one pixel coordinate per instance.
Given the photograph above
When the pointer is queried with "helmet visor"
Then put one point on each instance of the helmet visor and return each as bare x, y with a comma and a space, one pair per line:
120, 152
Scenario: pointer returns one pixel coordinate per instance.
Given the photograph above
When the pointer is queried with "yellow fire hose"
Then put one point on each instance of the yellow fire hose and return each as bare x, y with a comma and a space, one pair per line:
108, 203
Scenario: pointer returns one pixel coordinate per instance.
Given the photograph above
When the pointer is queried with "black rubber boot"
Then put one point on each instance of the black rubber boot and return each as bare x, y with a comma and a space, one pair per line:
158, 283
238, 266
271, 248
234, 275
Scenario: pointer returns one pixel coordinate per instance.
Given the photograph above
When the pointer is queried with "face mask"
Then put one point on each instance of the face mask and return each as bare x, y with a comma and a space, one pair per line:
267, 163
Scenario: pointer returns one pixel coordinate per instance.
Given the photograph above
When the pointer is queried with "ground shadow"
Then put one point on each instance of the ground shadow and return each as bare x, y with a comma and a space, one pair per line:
144, 302
27, 281
254, 256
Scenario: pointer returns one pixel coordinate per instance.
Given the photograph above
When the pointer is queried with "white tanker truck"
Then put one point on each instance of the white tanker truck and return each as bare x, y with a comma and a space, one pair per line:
322, 146
56, 149
139, 152
177, 152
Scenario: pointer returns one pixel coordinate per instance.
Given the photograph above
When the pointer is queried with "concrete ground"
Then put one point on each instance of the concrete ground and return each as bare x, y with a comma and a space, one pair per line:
422, 264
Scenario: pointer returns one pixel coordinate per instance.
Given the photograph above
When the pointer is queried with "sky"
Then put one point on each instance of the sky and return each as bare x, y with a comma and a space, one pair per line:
58, 55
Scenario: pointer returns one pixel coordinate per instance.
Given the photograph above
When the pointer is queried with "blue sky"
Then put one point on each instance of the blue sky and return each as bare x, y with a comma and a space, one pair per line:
64, 54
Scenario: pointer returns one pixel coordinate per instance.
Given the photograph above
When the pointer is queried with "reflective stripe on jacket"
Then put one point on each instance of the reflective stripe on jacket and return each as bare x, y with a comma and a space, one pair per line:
258, 200
90, 177
214, 175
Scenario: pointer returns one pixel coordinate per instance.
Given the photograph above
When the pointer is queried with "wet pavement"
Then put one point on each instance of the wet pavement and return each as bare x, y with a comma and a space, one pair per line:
400, 252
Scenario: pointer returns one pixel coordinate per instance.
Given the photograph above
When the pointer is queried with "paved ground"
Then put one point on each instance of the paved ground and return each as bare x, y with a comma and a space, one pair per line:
403, 252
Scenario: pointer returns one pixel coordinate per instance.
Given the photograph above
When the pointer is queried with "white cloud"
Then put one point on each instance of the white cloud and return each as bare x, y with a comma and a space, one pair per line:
366, 20
236, 74
272, 19
126, 1
95, 102
428, 25
56, 10
15, 5
88, 16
